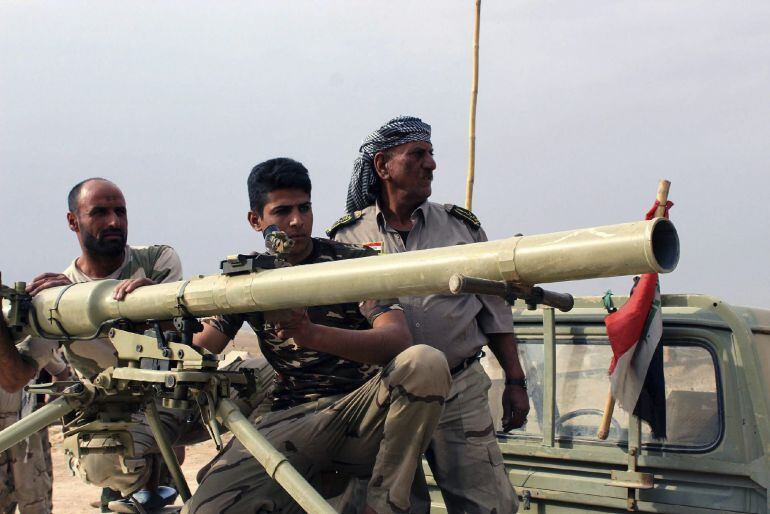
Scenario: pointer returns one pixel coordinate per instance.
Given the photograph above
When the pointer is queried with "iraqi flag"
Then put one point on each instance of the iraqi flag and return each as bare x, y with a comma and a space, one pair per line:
636, 370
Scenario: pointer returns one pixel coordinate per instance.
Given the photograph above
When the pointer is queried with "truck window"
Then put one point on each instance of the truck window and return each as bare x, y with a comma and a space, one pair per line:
762, 344
692, 409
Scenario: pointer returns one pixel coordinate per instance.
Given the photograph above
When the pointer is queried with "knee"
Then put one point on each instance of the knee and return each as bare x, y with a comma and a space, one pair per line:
426, 359
422, 368
105, 470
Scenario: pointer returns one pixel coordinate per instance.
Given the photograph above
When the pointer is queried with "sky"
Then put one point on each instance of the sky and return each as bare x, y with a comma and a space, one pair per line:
582, 108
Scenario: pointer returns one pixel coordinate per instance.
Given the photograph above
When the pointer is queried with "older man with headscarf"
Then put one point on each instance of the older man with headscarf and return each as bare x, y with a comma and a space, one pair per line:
388, 209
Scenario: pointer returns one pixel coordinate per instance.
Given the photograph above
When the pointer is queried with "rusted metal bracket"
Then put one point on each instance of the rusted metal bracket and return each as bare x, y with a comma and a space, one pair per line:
632, 479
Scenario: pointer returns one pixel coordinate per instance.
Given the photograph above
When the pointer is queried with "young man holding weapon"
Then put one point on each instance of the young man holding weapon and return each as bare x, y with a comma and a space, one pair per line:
352, 394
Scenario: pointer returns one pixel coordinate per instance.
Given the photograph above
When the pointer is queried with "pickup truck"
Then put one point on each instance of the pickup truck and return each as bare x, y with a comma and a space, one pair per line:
716, 457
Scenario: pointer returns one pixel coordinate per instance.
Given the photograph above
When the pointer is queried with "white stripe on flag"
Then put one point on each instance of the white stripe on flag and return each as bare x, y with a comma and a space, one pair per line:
631, 369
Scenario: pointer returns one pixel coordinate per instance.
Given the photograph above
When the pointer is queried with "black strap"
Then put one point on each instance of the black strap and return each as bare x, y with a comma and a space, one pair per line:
466, 363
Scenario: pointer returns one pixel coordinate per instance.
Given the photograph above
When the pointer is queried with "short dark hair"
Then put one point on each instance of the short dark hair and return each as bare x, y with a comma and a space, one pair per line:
74, 196
279, 173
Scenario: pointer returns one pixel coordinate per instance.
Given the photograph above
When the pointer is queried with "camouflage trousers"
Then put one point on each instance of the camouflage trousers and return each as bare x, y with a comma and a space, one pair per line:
379, 430
463, 454
180, 426
25, 472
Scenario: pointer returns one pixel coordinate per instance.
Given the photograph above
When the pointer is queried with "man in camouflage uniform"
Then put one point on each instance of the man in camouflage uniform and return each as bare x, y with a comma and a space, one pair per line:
388, 208
26, 477
97, 214
351, 394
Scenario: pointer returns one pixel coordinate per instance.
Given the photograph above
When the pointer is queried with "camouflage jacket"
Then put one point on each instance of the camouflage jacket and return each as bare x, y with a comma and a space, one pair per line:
304, 375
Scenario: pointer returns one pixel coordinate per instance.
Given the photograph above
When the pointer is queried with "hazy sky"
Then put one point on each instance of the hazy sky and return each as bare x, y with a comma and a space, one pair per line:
583, 107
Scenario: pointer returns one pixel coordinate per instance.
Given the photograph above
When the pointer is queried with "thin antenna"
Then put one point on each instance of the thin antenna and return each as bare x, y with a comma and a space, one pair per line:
472, 121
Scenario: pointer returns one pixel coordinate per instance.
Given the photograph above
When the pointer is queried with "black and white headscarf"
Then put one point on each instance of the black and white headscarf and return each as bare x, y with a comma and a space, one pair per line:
397, 131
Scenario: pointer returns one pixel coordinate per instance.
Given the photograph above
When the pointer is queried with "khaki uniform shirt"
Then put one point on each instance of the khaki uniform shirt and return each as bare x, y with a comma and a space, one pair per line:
455, 324
88, 358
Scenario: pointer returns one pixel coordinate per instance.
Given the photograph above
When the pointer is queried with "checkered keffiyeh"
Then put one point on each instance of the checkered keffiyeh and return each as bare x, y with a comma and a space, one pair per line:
397, 131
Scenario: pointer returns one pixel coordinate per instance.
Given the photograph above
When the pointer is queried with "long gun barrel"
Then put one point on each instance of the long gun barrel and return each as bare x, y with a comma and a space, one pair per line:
36, 421
81, 310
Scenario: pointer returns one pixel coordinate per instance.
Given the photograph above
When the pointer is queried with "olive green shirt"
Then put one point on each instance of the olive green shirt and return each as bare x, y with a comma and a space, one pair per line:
455, 324
88, 358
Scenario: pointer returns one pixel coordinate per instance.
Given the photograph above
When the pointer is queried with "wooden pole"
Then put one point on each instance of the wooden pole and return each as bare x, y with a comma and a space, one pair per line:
609, 405
662, 198
472, 120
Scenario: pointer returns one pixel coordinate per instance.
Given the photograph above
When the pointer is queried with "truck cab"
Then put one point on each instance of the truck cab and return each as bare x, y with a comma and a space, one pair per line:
716, 457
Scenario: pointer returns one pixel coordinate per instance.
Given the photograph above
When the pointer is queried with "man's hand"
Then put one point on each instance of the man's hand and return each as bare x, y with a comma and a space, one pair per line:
127, 286
515, 400
16, 371
515, 407
45, 281
295, 324
388, 336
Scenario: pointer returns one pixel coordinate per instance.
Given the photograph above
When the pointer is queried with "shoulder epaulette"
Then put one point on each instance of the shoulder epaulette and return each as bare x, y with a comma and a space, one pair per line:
344, 221
464, 215
347, 250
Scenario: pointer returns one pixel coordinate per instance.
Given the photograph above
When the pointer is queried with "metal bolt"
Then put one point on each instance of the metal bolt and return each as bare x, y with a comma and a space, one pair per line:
139, 348
180, 354
170, 380
111, 333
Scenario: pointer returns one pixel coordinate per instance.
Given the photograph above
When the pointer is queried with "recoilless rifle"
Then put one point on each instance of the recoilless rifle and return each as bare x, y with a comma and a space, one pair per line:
165, 364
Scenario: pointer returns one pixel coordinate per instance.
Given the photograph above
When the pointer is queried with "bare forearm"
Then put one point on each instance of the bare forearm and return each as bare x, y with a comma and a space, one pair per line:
211, 339
376, 346
15, 371
506, 350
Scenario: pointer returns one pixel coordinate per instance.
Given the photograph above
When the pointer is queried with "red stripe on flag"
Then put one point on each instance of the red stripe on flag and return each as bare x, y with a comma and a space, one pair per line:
624, 327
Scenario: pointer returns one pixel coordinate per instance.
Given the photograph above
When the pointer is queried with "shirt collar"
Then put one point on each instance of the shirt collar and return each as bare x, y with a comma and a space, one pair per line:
115, 274
419, 211
314, 253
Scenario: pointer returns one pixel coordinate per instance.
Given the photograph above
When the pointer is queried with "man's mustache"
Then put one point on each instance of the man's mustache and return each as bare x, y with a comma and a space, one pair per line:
112, 232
